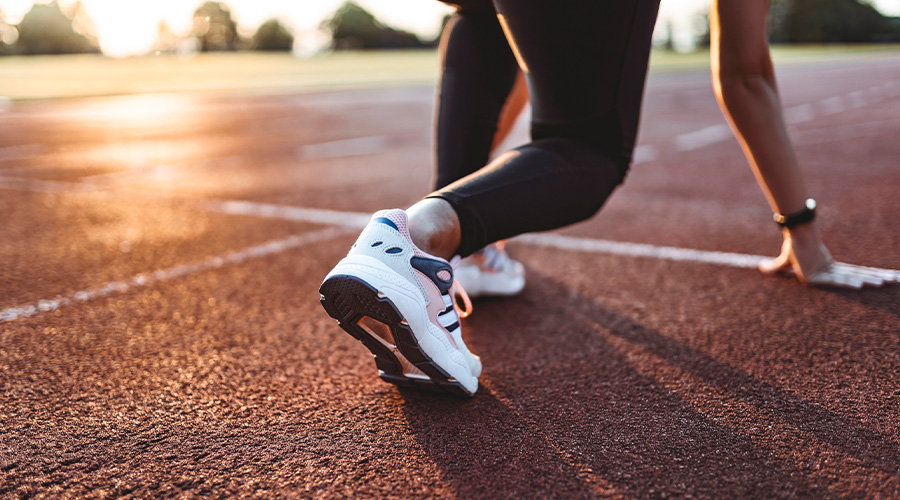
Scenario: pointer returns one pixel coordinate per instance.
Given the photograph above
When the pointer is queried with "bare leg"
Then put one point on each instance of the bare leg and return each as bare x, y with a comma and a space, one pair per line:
434, 227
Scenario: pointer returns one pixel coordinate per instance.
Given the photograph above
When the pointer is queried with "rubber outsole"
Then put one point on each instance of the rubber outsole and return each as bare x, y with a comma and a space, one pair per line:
350, 301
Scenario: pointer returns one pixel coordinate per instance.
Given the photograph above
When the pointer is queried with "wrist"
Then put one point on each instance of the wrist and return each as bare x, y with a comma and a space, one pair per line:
805, 240
797, 217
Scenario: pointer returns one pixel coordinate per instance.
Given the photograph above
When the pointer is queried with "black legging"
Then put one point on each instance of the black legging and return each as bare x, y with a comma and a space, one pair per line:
585, 62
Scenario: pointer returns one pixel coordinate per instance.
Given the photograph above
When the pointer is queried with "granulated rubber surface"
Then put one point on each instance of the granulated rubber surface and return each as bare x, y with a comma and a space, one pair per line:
610, 376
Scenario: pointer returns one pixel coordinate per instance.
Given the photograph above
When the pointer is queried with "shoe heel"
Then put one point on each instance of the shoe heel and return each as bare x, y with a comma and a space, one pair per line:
353, 303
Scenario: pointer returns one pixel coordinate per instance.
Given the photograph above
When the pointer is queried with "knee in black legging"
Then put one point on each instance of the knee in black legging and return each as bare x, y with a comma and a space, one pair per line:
599, 172
589, 145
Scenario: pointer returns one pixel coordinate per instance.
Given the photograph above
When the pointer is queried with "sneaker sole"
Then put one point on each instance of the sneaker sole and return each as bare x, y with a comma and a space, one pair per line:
374, 320
480, 284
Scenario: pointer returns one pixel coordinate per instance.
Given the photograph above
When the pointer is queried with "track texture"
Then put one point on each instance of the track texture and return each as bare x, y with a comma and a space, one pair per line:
610, 376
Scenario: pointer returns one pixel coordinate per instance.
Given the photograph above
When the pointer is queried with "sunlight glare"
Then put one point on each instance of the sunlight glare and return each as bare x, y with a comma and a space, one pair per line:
130, 27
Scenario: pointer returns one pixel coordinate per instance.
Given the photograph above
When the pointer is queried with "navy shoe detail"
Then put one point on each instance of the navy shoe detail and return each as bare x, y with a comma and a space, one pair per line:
386, 221
431, 268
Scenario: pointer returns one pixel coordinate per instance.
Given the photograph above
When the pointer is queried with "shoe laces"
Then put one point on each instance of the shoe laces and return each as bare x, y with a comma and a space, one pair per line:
494, 257
458, 293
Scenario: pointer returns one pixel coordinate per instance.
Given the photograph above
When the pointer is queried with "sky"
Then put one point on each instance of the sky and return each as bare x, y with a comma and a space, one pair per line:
129, 27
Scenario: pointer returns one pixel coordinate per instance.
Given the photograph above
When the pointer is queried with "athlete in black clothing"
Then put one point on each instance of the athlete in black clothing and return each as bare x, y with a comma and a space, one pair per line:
585, 62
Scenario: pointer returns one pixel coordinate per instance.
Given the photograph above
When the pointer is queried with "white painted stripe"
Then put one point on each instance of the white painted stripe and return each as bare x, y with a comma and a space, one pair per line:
270, 248
800, 113
892, 88
874, 95
832, 105
49, 187
358, 220
797, 114
355, 220
346, 147
857, 99
641, 250
23, 152
703, 137
645, 153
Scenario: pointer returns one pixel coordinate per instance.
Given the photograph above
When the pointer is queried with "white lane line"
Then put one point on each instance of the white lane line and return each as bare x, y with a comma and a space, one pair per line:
23, 152
857, 99
832, 105
254, 252
641, 250
352, 220
49, 187
349, 222
358, 220
357, 146
702, 138
874, 95
645, 153
799, 114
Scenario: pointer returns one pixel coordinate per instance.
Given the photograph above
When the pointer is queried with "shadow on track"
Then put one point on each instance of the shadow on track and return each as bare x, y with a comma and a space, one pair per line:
564, 412
885, 299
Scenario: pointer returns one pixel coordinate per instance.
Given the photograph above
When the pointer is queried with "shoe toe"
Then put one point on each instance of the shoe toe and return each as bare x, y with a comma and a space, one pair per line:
474, 365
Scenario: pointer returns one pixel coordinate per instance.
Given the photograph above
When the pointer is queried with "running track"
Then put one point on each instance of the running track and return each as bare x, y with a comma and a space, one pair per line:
160, 333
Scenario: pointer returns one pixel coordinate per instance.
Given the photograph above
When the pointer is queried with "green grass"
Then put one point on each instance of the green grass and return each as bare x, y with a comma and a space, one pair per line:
662, 60
52, 77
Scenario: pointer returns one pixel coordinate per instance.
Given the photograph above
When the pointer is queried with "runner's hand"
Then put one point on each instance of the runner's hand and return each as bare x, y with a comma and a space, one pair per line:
829, 273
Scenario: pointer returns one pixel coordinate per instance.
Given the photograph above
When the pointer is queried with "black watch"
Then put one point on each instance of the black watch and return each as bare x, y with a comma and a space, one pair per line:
799, 217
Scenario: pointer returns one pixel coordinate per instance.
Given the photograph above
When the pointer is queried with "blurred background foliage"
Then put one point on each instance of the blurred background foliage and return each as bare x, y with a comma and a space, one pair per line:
353, 28
46, 29
273, 36
830, 21
50, 29
215, 28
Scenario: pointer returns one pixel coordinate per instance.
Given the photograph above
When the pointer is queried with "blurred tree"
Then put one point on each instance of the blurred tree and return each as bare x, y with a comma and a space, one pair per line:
353, 27
45, 29
273, 36
215, 28
669, 43
702, 34
817, 21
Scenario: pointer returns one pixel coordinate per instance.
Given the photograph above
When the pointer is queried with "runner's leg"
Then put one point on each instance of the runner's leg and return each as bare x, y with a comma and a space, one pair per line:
478, 70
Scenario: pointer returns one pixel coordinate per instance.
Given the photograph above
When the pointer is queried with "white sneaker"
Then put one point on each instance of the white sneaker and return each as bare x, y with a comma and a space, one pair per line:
397, 300
491, 272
